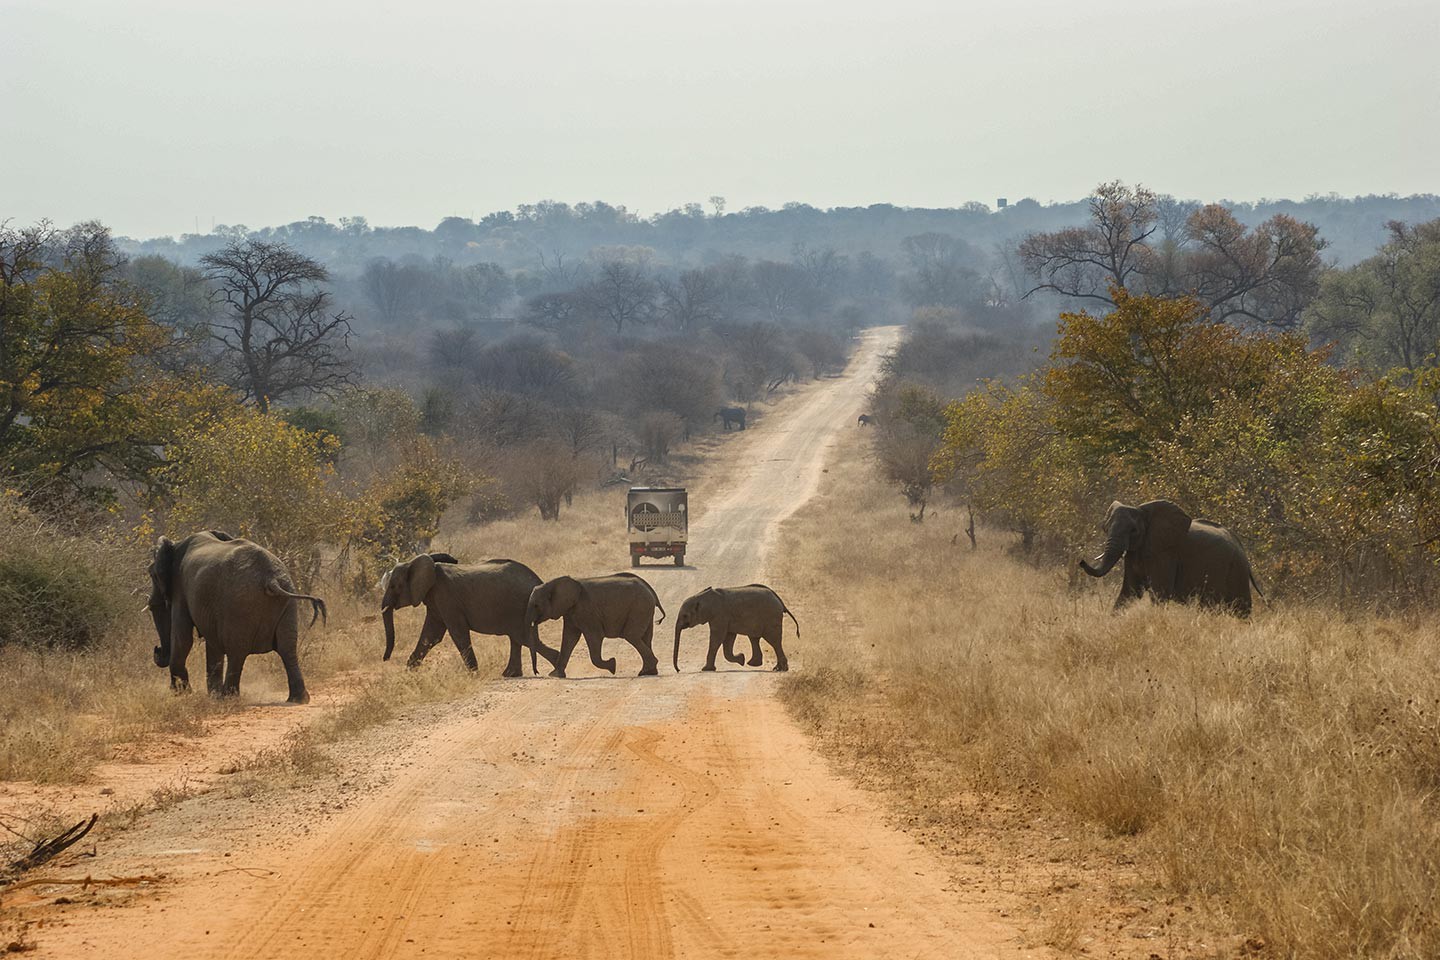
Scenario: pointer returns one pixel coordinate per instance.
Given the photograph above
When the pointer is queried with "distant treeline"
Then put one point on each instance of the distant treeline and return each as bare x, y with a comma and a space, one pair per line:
696, 234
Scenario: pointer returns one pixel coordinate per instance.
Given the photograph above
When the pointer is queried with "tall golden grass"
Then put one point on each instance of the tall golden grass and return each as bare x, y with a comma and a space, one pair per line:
1285, 768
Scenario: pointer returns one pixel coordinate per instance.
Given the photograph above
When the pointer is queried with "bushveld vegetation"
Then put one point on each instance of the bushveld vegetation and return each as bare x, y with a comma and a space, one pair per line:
1280, 768
145, 397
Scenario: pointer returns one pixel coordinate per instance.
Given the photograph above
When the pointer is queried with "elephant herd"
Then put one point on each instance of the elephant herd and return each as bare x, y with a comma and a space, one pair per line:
240, 600
238, 597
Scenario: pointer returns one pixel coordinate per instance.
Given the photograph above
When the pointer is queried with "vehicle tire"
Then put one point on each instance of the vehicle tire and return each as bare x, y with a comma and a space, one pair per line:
679, 559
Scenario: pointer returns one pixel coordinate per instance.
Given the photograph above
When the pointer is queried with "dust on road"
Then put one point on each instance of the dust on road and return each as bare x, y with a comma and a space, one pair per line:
678, 816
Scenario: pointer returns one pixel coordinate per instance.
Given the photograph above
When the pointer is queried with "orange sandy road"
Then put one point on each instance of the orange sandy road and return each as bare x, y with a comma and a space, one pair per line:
678, 816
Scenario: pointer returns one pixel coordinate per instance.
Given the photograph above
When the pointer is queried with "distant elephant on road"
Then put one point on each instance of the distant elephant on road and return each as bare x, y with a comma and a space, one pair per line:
753, 611
735, 415
240, 599
1174, 557
866, 420
488, 598
620, 605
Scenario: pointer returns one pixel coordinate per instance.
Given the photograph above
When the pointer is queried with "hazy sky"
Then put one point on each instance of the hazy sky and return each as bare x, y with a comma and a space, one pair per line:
149, 114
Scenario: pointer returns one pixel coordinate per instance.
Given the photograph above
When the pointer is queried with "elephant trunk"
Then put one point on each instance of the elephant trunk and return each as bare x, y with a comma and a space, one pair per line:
161, 617
387, 613
1114, 548
677, 644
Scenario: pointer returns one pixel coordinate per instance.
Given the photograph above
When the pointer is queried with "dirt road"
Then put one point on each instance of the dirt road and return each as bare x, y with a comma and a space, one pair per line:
678, 816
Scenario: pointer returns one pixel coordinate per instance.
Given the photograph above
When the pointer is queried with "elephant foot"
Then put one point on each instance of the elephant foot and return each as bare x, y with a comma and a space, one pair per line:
298, 698
412, 663
649, 671
558, 673
756, 662
708, 668
782, 668
608, 665
512, 673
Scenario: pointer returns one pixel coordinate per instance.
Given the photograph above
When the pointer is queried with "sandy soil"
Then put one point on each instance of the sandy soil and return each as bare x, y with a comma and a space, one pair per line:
679, 816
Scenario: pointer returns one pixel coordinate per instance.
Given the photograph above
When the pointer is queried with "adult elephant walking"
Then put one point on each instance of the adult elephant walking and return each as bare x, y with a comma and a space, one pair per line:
240, 599
488, 598
1174, 557
753, 611
620, 605
735, 415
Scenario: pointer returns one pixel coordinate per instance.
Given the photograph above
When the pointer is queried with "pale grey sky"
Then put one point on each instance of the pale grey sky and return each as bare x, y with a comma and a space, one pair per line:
149, 114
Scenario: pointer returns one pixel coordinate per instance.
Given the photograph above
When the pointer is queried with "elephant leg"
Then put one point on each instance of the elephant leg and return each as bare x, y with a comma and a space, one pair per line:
235, 663
716, 640
729, 647
290, 658
182, 637
782, 664
645, 646
431, 633
214, 667
1132, 587
595, 643
514, 666
756, 657
460, 636
568, 638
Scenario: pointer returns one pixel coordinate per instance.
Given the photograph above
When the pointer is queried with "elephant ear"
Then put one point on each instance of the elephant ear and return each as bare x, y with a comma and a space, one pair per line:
420, 581
1166, 527
567, 594
162, 568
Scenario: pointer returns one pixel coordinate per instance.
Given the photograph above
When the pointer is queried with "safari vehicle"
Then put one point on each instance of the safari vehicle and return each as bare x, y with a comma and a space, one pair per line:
658, 522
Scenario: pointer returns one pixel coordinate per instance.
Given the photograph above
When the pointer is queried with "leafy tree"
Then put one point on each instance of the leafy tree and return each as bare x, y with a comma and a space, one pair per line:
85, 404
254, 475
1385, 311
279, 335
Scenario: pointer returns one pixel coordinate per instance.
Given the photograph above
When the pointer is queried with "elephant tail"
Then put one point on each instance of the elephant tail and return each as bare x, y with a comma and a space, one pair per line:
1256, 584
275, 588
787, 612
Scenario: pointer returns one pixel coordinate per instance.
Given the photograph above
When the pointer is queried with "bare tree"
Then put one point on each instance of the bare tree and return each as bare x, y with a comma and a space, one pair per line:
1084, 262
621, 294
692, 300
393, 289
277, 333
545, 474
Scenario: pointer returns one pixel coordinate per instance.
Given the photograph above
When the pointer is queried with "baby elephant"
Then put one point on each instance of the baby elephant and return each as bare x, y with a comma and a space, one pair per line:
620, 605
754, 611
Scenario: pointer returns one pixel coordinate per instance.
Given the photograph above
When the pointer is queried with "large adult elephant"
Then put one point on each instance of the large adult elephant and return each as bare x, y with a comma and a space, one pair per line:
620, 605
735, 415
488, 598
240, 599
753, 611
1174, 557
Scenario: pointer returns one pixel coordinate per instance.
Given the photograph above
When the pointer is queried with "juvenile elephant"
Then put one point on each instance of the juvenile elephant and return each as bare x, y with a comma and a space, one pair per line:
240, 599
735, 415
488, 598
1174, 557
866, 420
754, 611
620, 605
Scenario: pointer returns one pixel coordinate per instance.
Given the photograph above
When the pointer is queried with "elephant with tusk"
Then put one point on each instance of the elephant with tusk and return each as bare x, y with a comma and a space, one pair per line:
753, 611
460, 599
238, 596
1174, 557
620, 605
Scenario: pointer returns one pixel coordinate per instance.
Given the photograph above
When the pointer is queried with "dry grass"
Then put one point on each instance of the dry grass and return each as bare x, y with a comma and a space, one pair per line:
67, 710
1283, 769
